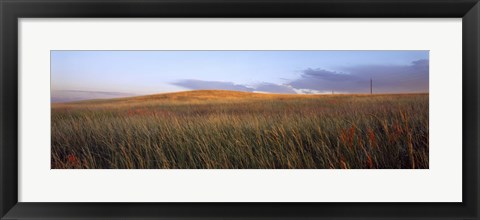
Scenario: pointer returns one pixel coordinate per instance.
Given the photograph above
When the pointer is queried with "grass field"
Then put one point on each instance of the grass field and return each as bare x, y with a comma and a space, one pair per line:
235, 130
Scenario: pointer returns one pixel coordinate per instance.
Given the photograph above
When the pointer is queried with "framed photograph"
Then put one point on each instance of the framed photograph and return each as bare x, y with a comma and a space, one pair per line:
288, 109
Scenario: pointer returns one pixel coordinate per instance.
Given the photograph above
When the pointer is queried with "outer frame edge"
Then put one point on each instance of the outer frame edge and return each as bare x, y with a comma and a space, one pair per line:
18, 208
471, 114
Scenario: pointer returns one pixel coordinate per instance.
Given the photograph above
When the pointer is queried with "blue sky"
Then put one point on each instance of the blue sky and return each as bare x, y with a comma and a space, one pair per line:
148, 72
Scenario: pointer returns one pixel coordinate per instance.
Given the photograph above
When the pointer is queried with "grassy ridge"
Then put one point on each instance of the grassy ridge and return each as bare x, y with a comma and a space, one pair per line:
220, 129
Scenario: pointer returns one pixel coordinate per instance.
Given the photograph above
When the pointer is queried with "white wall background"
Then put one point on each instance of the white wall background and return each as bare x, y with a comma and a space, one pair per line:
441, 183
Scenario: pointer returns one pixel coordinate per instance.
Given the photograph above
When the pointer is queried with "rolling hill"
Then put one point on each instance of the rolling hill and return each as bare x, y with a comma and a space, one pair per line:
212, 95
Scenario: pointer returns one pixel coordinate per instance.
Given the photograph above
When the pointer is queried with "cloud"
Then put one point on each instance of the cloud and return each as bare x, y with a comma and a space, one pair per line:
274, 88
412, 77
202, 85
312, 91
324, 80
356, 79
261, 87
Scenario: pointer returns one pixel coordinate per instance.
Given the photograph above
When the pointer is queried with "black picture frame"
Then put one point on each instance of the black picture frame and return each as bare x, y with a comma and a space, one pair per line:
12, 10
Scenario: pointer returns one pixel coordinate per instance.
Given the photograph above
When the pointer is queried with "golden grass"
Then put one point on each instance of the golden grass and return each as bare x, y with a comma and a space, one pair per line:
236, 130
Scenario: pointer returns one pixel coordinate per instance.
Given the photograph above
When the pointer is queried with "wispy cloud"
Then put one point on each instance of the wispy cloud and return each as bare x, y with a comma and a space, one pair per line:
260, 87
201, 84
274, 88
77, 95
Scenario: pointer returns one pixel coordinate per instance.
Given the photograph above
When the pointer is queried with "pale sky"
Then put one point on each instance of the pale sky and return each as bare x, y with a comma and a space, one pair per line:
148, 72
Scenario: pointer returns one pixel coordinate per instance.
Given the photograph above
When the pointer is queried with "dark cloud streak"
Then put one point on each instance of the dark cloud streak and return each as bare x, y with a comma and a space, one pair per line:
356, 79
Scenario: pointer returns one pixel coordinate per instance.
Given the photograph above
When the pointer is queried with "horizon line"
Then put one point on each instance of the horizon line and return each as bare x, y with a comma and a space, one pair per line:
133, 95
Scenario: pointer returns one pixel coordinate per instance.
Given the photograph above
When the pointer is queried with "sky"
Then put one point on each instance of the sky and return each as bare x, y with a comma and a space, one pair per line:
77, 75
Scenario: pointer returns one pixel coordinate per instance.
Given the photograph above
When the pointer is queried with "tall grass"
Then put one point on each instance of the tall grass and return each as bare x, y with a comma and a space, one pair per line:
215, 131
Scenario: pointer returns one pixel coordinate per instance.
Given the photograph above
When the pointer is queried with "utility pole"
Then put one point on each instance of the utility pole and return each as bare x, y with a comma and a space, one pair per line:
371, 86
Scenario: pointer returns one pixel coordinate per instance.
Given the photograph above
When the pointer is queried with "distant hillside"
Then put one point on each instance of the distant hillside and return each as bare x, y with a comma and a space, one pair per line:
202, 96
77, 95
189, 96
208, 95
